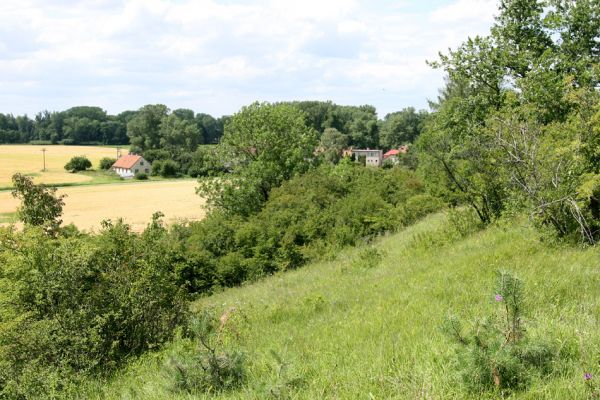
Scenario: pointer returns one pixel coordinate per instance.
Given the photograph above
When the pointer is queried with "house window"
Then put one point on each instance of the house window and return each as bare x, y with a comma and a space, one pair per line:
136, 170
141, 163
147, 170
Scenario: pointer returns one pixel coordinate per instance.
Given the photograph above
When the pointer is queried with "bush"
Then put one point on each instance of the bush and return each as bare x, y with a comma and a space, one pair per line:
141, 176
82, 305
78, 163
156, 168
304, 219
169, 169
165, 168
107, 162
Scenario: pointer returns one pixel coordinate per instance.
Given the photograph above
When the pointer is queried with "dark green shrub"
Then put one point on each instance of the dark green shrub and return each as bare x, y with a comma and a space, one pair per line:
497, 354
156, 154
157, 167
107, 162
165, 168
141, 176
304, 219
169, 169
78, 163
81, 304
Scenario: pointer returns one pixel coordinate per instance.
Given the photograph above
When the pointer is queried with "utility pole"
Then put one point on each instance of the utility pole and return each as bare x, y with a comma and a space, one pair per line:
118, 152
44, 155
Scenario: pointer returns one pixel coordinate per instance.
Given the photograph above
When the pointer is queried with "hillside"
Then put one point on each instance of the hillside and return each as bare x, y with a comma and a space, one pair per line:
345, 329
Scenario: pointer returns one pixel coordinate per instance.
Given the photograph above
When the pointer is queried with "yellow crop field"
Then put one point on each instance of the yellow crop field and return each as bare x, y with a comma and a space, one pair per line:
87, 206
28, 159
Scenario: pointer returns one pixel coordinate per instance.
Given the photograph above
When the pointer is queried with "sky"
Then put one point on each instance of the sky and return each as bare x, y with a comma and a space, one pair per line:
215, 56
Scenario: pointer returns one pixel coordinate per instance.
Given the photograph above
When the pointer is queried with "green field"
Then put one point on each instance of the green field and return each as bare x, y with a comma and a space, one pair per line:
349, 331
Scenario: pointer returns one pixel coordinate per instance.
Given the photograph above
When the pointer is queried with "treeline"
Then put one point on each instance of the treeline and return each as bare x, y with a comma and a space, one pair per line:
171, 140
92, 125
359, 125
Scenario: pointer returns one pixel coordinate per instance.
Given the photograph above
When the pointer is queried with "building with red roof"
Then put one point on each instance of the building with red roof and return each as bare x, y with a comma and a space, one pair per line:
129, 165
393, 154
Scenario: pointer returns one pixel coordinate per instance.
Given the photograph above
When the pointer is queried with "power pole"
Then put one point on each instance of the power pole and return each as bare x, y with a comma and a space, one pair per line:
118, 152
44, 155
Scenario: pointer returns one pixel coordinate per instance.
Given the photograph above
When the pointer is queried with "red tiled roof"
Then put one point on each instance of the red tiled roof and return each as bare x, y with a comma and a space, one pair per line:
392, 152
127, 161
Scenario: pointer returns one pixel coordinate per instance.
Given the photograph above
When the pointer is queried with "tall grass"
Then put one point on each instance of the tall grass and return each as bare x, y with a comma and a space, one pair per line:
344, 330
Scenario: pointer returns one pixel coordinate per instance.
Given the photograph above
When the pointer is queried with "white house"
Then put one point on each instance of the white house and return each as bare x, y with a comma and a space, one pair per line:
372, 157
129, 165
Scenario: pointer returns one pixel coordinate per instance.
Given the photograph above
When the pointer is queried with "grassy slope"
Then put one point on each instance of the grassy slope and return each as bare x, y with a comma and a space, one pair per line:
358, 333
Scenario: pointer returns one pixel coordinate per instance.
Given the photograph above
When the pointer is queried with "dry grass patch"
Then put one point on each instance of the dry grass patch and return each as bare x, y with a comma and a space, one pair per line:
28, 160
135, 202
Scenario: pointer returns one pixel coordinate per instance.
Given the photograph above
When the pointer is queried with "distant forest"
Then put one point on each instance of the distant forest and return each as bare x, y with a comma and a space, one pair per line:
155, 126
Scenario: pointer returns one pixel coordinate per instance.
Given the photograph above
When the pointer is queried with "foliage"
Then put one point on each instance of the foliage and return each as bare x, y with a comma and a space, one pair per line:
144, 128
332, 143
177, 133
80, 304
265, 145
205, 162
512, 128
141, 176
401, 127
305, 218
107, 162
209, 368
39, 204
497, 354
165, 168
78, 163
358, 124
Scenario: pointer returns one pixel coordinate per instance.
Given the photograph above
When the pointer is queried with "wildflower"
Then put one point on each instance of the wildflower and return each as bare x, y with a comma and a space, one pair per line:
499, 297
587, 376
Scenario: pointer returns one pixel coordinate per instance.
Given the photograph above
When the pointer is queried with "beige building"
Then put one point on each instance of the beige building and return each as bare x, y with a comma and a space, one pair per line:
373, 158
129, 165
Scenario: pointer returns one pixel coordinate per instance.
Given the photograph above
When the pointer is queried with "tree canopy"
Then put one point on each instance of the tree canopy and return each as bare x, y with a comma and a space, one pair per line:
263, 145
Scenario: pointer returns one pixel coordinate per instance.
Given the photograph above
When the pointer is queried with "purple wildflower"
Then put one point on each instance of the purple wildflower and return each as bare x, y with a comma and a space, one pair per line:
499, 297
587, 376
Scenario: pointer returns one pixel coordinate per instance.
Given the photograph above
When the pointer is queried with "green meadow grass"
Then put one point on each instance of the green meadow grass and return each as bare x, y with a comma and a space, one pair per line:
350, 330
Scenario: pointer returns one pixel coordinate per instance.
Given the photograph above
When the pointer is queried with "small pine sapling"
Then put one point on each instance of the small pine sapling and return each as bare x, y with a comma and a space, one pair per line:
210, 368
497, 354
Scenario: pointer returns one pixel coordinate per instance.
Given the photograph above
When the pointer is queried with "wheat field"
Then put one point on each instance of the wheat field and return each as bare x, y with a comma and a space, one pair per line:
135, 202
28, 159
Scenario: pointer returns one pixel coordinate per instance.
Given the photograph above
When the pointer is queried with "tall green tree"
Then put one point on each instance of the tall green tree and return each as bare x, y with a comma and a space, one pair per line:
401, 127
177, 133
144, 128
263, 145
332, 143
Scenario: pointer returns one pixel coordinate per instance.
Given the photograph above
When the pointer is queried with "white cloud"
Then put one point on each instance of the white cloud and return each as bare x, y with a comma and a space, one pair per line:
214, 56
466, 10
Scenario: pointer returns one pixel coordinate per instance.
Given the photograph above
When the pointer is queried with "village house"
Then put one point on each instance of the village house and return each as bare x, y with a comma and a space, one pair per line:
373, 157
394, 154
129, 165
